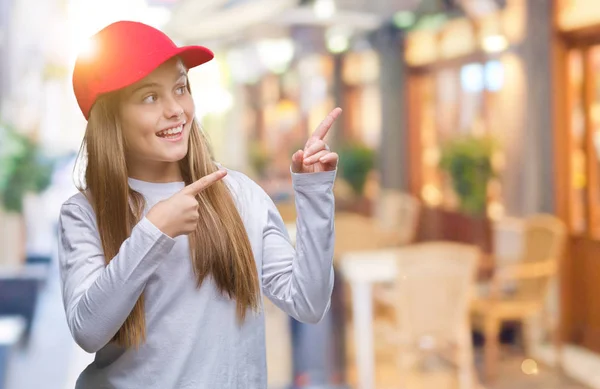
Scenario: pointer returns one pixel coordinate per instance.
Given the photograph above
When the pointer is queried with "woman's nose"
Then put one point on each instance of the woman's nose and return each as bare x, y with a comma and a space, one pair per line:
173, 110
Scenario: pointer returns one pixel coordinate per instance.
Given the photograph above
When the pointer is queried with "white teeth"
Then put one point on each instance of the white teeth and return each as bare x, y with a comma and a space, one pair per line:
171, 131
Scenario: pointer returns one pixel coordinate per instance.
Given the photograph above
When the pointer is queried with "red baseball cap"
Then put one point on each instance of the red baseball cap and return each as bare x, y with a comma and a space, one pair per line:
124, 53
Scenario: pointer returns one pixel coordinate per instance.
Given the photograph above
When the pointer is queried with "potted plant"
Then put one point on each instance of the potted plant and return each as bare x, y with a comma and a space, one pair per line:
23, 169
259, 159
356, 162
468, 162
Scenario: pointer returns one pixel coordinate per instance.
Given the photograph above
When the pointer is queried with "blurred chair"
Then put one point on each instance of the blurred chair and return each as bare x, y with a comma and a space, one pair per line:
356, 232
343, 193
507, 242
507, 239
519, 289
433, 291
398, 213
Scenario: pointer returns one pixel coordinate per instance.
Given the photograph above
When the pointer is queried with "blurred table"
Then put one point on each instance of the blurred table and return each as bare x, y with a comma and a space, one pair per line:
365, 255
362, 270
359, 234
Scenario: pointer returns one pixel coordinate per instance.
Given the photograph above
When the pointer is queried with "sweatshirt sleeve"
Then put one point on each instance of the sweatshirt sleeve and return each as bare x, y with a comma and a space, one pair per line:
98, 297
300, 280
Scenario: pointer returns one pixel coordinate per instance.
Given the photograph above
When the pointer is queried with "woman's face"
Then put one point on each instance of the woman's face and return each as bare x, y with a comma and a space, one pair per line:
156, 115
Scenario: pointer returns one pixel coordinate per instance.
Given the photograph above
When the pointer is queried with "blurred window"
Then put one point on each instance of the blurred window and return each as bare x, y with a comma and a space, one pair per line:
584, 130
451, 101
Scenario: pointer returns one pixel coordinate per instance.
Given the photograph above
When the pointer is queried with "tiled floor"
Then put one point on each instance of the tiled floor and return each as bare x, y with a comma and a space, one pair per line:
512, 377
511, 374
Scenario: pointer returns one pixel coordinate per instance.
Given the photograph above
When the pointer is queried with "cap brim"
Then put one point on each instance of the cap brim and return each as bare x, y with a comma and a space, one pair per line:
193, 56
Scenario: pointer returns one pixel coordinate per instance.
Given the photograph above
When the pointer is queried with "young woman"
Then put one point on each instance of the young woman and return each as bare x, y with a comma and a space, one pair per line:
164, 254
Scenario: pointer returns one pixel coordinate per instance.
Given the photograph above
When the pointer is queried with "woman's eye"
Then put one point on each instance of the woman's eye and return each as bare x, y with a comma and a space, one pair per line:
150, 99
181, 90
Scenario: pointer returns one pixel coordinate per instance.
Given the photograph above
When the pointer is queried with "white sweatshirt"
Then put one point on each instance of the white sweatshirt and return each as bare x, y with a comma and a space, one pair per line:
193, 337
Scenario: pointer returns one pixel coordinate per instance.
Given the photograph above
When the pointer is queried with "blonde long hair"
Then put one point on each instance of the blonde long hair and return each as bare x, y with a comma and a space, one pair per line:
219, 247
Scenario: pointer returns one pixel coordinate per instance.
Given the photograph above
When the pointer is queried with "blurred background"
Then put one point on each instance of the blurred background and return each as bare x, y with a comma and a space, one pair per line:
468, 191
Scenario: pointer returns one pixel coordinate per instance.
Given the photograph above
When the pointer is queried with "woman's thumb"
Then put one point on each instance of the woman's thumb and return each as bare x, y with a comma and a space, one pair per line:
297, 160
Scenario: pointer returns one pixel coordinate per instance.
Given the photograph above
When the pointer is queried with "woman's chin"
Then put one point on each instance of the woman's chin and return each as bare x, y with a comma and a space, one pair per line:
175, 155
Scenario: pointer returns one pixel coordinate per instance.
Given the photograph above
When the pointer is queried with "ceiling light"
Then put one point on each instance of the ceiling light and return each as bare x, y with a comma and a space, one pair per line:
337, 39
324, 9
495, 43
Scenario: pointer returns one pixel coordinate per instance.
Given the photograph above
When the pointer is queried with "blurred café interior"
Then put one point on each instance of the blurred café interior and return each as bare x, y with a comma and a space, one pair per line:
467, 193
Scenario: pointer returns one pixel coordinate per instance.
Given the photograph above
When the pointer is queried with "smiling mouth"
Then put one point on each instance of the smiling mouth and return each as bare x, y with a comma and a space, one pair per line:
171, 133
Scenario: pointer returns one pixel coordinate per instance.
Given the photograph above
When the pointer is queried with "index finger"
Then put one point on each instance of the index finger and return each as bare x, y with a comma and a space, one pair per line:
198, 186
325, 125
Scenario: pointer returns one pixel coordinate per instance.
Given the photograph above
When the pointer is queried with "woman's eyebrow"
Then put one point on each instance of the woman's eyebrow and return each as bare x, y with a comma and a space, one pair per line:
181, 74
144, 86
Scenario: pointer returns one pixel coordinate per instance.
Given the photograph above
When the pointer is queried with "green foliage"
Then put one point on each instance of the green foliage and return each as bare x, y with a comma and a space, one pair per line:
355, 163
468, 162
259, 158
23, 168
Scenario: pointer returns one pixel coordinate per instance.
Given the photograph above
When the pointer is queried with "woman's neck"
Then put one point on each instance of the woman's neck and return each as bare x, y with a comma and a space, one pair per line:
155, 172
